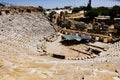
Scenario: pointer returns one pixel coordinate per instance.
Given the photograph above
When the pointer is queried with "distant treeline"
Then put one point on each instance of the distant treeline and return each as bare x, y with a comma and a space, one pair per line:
93, 12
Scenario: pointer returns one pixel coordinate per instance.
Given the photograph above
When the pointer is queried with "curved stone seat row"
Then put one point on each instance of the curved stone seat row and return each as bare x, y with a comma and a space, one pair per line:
15, 46
35, 54
3, 37
82, 58
15, 43
110, 55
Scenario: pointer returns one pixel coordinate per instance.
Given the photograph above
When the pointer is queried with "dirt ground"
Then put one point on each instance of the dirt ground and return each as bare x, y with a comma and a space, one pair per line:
16, 65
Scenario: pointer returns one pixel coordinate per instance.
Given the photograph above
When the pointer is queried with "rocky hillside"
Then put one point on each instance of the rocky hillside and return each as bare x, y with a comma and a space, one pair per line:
22, 29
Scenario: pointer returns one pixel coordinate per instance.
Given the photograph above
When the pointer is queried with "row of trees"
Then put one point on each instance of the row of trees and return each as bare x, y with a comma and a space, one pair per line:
93, 12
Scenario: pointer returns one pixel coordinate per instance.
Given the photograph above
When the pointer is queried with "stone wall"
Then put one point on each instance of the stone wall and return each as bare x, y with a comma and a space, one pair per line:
19, 9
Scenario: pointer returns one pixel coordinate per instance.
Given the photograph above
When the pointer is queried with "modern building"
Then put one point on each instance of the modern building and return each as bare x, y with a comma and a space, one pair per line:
59, 11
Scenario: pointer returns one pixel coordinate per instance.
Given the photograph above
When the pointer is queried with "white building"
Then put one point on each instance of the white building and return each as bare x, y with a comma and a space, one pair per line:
61, 10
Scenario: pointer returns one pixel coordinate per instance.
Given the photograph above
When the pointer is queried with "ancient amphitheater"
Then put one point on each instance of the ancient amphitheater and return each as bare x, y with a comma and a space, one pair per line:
23, 34
24, 31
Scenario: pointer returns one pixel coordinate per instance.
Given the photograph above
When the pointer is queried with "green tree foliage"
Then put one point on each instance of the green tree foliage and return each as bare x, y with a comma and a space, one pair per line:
89, 5
77, 9
92, 13
103, 10
97, 11
112, 12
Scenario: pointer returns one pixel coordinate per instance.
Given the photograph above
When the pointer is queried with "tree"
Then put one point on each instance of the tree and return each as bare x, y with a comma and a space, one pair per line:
92, 13
89, 6
77, 9
103, 11
114, 12
98, 11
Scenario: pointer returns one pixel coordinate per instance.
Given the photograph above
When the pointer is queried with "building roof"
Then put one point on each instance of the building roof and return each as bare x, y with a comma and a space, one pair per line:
86, 37
71, 37
102, 17
75, 37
